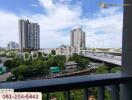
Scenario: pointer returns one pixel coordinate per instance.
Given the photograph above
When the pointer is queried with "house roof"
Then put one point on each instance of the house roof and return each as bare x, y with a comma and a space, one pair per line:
71, 63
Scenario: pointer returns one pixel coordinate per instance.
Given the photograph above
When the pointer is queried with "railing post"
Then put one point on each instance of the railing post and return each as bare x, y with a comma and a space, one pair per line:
86, 94
67, 95
72, 96
126, 92
100, 95
48, 96
115, 92
126, 89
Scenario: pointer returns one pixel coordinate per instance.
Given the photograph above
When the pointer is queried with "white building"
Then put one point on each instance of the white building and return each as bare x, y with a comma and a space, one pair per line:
70, 66
78, 39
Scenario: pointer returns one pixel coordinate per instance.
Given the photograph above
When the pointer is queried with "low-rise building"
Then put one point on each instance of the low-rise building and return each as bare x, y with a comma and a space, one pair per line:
70, 66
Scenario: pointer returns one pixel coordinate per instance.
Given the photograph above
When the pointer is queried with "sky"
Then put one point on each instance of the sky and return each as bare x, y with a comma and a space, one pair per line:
103, 27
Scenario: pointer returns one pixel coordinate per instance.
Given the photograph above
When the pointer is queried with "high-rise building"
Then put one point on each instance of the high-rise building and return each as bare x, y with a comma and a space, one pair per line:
78, 39
12, 45
29, 35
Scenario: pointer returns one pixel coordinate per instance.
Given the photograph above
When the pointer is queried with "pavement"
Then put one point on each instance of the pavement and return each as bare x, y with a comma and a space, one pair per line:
4, 76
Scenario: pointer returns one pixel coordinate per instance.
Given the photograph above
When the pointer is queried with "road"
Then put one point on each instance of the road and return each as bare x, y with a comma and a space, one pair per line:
109, 58
3, 77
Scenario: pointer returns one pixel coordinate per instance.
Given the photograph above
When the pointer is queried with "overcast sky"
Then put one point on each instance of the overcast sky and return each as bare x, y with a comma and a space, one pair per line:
57, 18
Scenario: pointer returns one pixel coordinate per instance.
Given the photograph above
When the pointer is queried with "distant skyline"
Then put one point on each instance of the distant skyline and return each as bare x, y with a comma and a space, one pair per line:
103, 27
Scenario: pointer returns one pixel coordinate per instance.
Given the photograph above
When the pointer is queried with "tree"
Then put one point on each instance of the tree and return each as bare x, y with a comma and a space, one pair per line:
20, 78
44, 71
11, 79
15, 62
39, 67
23, 70
74, 57
81, 60
59, 60
8, 64
15, 72
2, 53
102, 70
12, 63
50, 61
53, 52
116, 69
37, 62
42, 56
27, 62
83, 63
11, 54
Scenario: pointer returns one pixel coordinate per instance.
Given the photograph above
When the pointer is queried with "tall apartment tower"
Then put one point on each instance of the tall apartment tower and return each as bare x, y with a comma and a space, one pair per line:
29, 35
78, 39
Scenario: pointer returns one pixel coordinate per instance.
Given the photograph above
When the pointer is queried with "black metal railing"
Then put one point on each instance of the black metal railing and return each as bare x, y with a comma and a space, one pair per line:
113, 80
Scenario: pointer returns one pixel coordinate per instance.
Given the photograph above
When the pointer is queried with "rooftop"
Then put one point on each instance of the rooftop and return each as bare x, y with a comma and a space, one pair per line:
70, 63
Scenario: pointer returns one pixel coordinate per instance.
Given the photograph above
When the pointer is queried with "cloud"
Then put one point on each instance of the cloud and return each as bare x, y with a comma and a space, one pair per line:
65, 0
8, 28
60, 18
34, 5
47, 4
110, 24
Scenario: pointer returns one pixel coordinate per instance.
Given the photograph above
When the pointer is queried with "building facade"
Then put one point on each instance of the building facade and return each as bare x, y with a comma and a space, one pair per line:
12, 45
78, 39
29, 35
70, 66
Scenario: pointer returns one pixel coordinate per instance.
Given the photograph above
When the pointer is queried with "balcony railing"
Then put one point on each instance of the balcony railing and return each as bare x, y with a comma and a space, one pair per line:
113, 80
